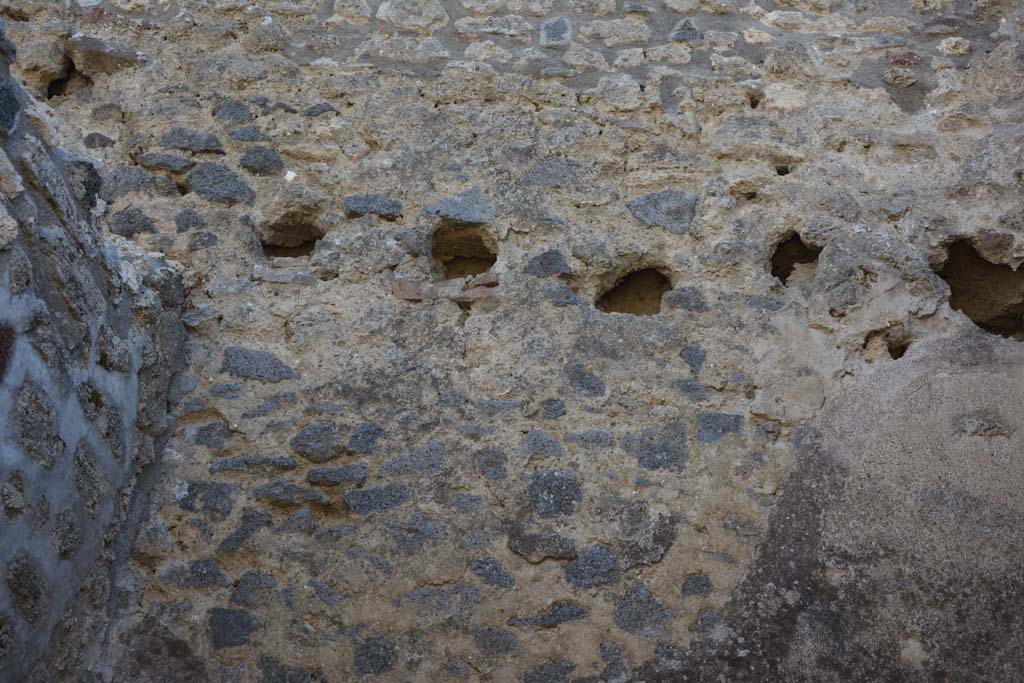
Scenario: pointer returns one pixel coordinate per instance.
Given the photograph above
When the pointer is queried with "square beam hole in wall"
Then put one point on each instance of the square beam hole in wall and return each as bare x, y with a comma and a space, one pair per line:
290, 237
638, 293
990, 294
789, 253
461, 250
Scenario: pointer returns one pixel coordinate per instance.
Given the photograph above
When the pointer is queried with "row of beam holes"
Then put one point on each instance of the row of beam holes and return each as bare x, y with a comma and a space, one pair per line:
990, 294
463, 251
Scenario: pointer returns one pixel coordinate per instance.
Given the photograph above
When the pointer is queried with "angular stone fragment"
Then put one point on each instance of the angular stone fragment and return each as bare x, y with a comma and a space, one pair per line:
35, 423
697, 584
250, 585
91, 483
253, 463
550, 671
119, 181
375, 656
658, 448
648, 544
686, 298
254, 364
490, 571
378, 204
201, 573
262, 161
539, 442
318, 109
616, 32
214, 435
559, 612
552, 408
249, 134
285, 492
229, 627
595, 566
217, 183
334, 476
67, 534
113, 351
470, 207
553, 493
191, 140
490, 640
416, 530
13, 494
508, 26
364, 438
208, 496
421, 15
583, 381
686, 32
29, 591
97, 141
536, 546
426, 460
411, 290
160, 161
252, 521
668, 209
492, 463
591, 439
556, 32
232, 112
365, 501
350, 11
712, 427
640, 613
549, 263
318, 442
94, 56
470, 295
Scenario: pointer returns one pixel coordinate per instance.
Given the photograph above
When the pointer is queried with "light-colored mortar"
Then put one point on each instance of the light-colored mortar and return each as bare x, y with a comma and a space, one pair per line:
733, 436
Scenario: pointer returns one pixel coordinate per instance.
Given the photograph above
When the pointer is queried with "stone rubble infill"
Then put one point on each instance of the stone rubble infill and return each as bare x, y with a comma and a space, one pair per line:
528, 340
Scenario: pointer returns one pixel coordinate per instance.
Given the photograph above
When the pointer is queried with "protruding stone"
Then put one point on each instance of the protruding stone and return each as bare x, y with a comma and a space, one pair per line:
254, 364
318, 442
191, 140
556, 32
285, 492
420, 15
470, 207
228, 627
668, 209
217, 183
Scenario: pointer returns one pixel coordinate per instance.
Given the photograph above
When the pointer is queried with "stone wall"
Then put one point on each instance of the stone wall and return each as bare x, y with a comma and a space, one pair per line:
90, 340
584, 340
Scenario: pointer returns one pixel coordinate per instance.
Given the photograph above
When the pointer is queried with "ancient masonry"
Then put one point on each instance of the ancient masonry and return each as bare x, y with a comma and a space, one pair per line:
543, 341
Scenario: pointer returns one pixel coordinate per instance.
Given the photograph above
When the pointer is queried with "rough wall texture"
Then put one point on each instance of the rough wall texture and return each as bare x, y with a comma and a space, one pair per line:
568, 341
90, 340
